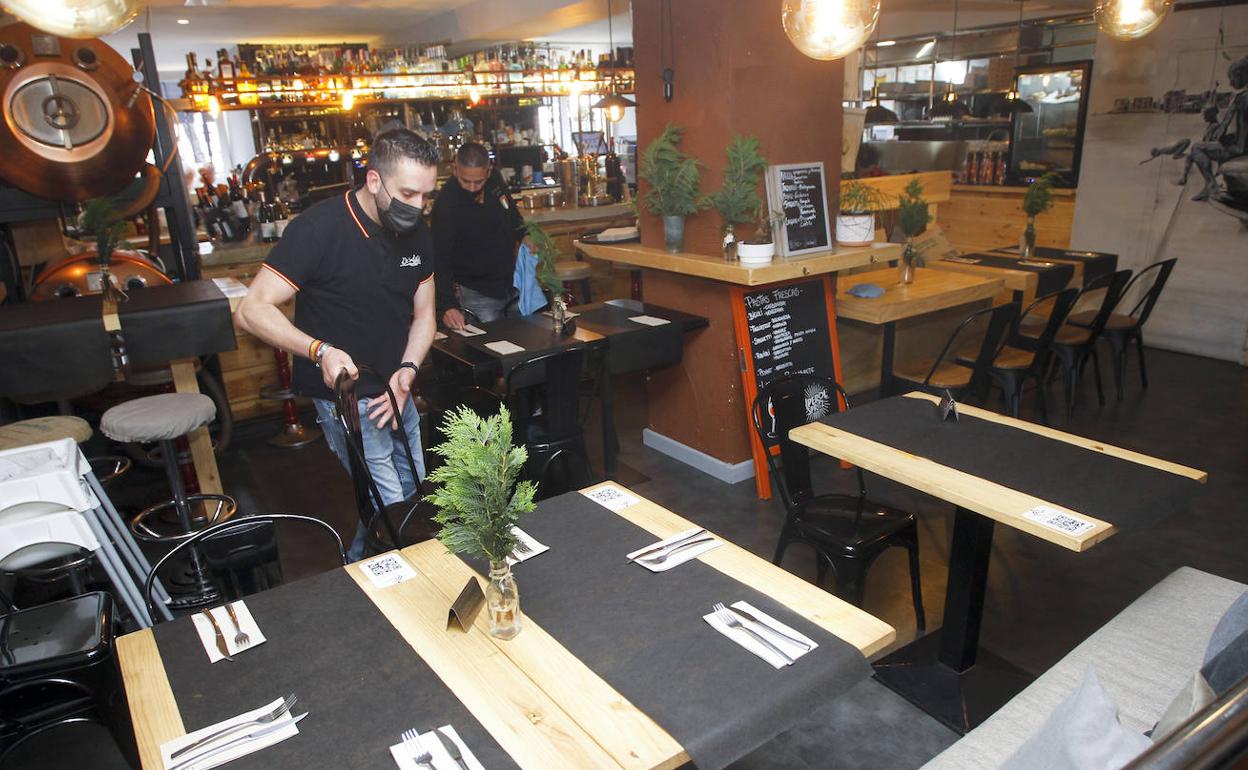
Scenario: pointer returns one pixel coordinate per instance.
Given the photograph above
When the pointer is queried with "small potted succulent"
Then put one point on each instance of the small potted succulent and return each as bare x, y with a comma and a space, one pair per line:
479, 501
674, 179
855, 225
912, 218
1037, 200
759, 249
738, 199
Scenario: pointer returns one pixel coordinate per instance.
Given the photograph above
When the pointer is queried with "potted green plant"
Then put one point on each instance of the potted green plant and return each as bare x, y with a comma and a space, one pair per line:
760, 249
674, 179
738, 198
479, 501
547, 278
101, 221
855, 224
912, 218
1037, 200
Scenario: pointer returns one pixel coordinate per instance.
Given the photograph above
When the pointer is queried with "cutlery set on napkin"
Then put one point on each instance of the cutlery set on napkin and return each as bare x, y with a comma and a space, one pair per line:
773, 641
440, 749
675, 550
226, 631
226, 741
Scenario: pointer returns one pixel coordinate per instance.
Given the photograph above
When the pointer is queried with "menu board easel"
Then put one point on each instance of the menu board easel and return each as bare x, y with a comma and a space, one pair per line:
783, 328
798, 193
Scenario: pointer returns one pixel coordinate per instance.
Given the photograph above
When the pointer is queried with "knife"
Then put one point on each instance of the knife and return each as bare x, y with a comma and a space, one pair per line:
253, 735
656, 548
225, 651
452, 748
750, 617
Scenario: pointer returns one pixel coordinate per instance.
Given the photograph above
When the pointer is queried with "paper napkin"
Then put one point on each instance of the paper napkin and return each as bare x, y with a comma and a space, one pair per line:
747, 640
676, 556
649, 320
441, 759
534, 547
611, 497
240, 750
469, 330
208, 637
504, 348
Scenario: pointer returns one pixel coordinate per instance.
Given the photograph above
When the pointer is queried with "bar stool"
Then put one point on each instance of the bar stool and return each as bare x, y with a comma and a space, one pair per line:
107, 468
163, 419
294, 434
574, 271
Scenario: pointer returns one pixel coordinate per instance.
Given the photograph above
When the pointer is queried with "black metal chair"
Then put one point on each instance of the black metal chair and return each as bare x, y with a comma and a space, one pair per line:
1023, 358
1073, 346
58, 669
1120, 329
415, 515
936, 375
245, 547
543, 395
848, 532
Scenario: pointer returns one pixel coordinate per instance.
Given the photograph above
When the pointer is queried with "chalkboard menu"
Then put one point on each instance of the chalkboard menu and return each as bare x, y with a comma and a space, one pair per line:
788, 331
798, 193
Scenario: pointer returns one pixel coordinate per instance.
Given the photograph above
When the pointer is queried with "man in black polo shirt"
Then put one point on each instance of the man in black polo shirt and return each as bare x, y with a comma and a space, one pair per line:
362, 264
476, 229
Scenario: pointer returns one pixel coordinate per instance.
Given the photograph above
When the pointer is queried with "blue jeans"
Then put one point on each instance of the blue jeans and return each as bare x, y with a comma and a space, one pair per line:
487, 308
383, 454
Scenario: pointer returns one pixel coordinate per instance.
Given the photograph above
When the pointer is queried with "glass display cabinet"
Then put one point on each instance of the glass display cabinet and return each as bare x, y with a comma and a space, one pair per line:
1049, 137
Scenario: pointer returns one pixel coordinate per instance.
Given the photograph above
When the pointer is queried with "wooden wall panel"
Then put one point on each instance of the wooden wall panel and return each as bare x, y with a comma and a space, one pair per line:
979, 218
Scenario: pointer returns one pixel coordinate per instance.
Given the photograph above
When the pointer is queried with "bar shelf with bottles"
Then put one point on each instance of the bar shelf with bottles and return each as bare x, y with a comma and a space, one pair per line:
342, 76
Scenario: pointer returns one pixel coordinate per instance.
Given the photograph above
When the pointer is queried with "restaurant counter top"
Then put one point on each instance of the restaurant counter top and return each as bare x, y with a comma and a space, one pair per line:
1005, 189
716, 268
577, 213
227, 254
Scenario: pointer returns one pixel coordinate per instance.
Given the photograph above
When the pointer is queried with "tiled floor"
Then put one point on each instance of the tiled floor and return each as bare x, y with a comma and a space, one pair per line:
1042, 600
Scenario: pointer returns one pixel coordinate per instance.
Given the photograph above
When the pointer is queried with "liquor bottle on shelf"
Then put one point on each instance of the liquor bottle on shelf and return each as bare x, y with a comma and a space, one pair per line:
268, 225
1001, 168
238, 207
984, 174
225, 67
968, 168
281, 218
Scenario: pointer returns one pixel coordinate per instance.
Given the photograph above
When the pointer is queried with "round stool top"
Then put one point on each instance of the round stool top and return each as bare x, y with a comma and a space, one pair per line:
571, 270
41, 429
158, 418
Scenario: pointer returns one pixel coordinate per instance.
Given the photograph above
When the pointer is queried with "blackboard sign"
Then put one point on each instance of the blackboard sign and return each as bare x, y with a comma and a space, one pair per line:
788, 331
802, 199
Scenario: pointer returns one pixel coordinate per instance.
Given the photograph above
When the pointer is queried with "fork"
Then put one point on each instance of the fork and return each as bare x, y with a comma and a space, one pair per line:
522, 547
659, 558
728, 618
241, 639
287, 703
419, 754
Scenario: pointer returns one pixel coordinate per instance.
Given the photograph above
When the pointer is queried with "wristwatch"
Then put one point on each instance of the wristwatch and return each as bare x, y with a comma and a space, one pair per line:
409, 365
320, 353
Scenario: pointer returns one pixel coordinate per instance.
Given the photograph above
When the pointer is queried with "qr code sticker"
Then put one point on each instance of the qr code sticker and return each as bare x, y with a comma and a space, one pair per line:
1056, 520
610, 497
387, 570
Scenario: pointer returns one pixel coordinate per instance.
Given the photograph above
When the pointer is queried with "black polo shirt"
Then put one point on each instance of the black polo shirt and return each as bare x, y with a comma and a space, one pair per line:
475, 242
356, 283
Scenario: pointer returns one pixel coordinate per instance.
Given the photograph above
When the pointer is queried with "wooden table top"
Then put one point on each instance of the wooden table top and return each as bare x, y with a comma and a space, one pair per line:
715, 268
932, 290
993, 500
537, 700
1014, 280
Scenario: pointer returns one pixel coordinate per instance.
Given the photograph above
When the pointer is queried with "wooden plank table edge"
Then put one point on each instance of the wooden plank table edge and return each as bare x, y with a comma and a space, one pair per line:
153, 710
990, 499
874, 312
1070, 438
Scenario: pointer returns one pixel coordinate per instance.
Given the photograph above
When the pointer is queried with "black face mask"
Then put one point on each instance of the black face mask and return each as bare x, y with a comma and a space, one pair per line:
399, 218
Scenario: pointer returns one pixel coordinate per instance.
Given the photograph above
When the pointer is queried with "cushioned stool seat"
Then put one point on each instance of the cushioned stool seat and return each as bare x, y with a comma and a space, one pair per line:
572, 271
158, 418
41, 429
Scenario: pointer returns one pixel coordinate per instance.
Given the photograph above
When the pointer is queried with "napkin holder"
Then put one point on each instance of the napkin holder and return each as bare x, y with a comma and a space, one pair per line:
466, 606
948, 408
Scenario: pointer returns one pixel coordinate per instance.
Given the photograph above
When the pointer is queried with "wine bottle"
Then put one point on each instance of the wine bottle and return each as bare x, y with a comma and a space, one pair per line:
281, 218
239, 207
268, 228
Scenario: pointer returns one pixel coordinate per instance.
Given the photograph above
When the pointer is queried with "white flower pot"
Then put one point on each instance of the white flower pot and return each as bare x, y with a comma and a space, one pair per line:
755, 253
855, 229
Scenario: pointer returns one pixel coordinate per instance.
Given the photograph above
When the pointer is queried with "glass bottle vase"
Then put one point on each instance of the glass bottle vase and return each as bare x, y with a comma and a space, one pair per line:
1027, 243
905, 265
502, 601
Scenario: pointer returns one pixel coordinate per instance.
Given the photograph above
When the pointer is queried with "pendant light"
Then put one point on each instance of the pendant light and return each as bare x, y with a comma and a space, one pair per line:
1130, 19
1014, 103
613, 104
75, 18
950, 106
829, 29
876, 112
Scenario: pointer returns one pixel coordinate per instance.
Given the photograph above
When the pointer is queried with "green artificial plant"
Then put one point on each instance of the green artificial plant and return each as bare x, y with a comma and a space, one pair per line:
912, 217
547, 254
859, 198
674, 177
1039, 196
738, 199
101, 221
765, 222
477, 497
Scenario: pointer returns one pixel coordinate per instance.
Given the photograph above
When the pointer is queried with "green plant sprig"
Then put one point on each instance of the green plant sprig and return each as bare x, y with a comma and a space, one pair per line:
738, 198
101, 220
674, 177
547, 254
1039, 196
912, 210
857, 197
477, 506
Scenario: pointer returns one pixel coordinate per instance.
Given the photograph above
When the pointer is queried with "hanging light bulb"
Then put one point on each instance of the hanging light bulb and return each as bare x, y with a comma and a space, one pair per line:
334, 156
614, 104
1013, 102
829, 29
474, 95
75, 18
1130, 19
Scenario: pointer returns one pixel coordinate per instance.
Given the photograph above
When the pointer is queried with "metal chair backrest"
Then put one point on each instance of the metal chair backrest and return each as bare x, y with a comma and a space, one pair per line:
560, 373
785, 404
1042, 345
1113, 293
242, 523
1000, 320
1160, 272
